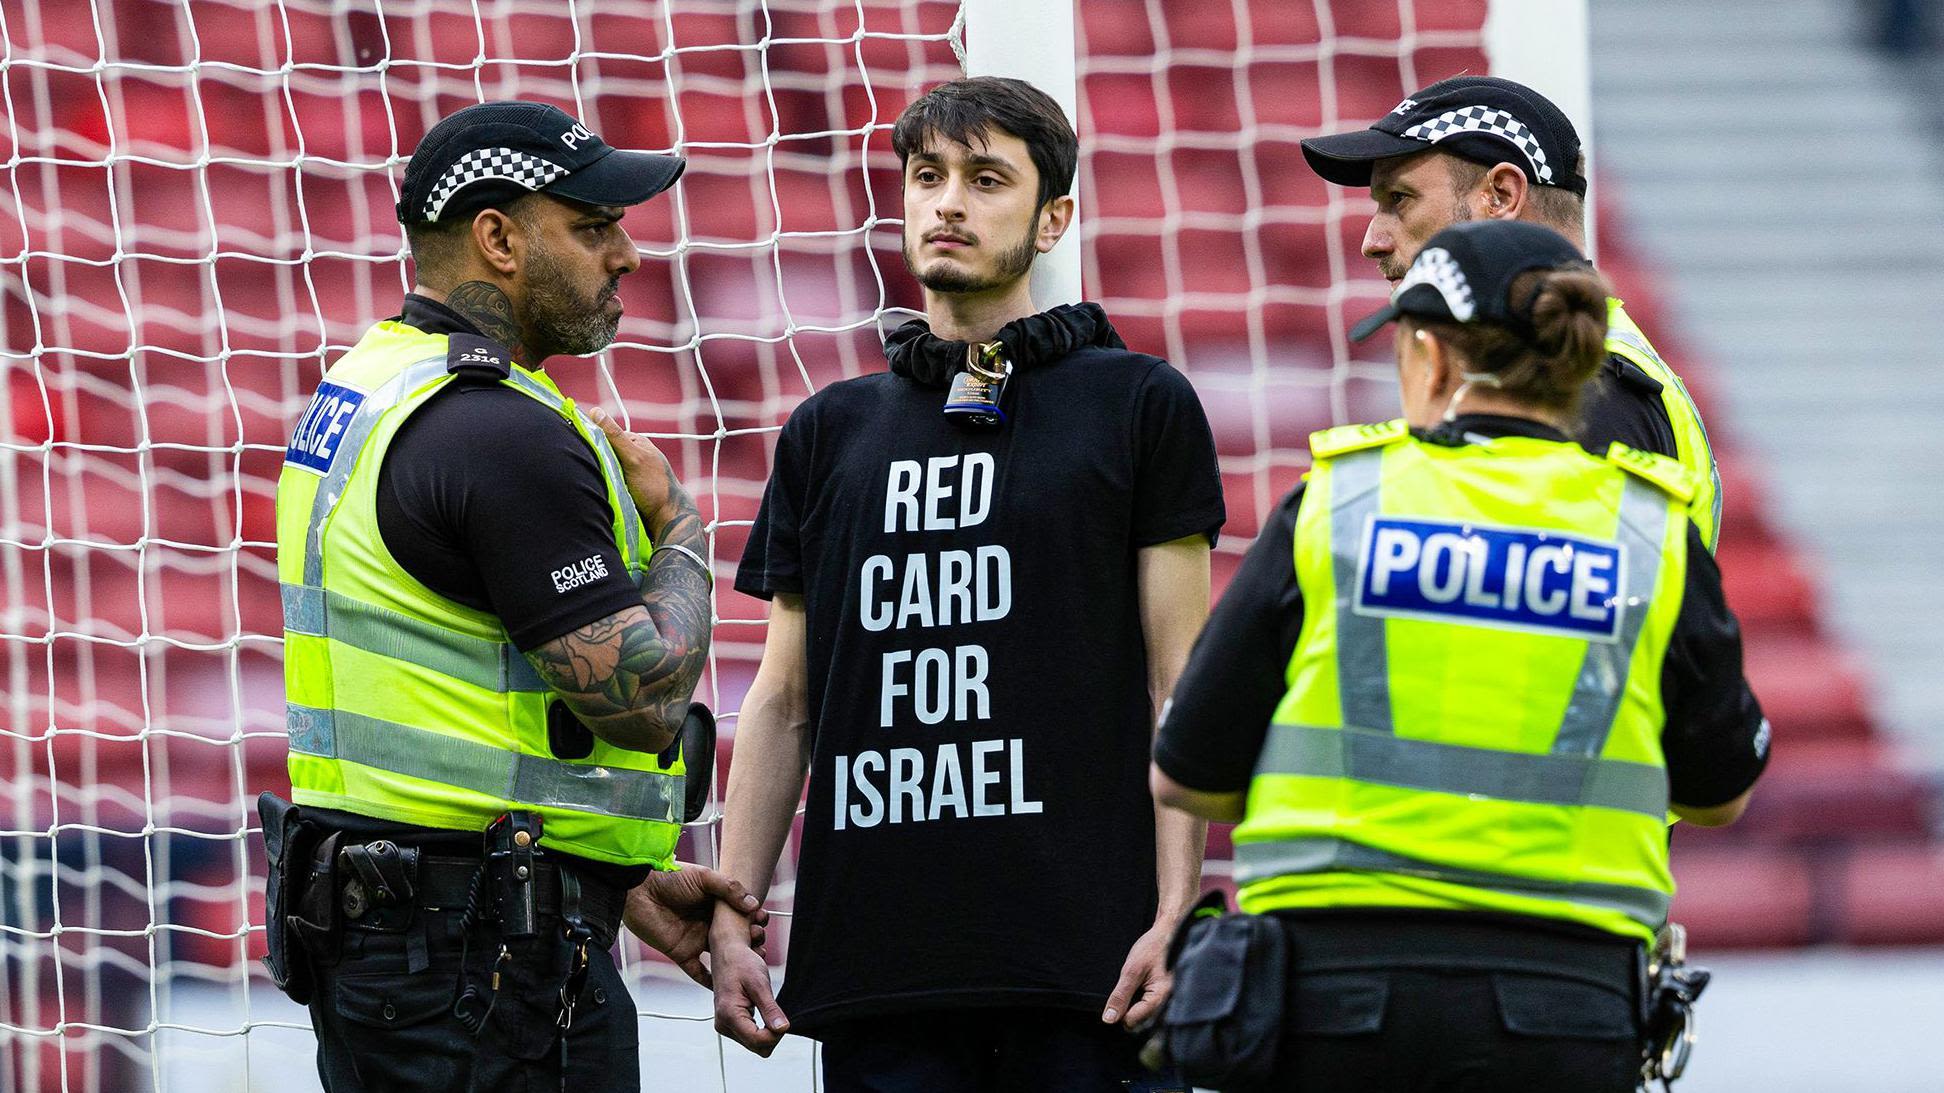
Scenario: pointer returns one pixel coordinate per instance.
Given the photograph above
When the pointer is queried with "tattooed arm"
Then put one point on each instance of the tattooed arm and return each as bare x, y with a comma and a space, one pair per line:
628, 677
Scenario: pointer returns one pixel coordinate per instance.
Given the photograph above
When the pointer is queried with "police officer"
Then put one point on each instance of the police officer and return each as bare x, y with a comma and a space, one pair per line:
495, 612
1480, 147
1451, 695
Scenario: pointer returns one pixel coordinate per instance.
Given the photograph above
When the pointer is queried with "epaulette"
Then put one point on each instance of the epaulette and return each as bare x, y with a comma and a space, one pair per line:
1666, 473
477, 357
1325, 443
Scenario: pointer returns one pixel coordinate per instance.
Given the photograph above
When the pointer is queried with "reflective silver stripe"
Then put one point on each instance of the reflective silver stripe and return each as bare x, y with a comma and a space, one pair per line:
1640, 345
1446, 768
494, 665
503, 775
1255, 861
1602, 680
1363, 663
630, 516
1636, 343
610, 464
303, 610
388, 395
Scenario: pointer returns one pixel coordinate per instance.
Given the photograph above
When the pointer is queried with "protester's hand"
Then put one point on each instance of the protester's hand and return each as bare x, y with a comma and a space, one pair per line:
651, 481
742, 990
672, 912
1144, 979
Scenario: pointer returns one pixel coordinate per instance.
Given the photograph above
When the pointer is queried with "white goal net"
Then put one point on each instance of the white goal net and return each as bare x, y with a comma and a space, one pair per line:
196, 217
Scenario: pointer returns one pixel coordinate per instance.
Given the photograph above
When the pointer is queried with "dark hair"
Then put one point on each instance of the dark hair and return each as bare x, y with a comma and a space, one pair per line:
962, 110
438, 245
1550, 364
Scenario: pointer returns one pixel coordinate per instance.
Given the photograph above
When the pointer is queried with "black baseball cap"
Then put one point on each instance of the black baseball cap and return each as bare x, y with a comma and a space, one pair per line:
493, 152
1480, 118
1464, 274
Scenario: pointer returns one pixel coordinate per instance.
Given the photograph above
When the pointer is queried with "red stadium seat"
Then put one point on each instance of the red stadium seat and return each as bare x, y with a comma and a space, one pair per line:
1893, 895
1713, 899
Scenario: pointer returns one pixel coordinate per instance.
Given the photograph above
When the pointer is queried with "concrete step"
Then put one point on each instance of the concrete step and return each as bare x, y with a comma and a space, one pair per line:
1733, 247
1756, 22
1755, 148
1783, 180
1900, 343
1723, 68
1865, 108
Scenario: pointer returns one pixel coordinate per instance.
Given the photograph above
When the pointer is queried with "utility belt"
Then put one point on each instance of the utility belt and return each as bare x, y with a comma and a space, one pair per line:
1235, 976
321, 886
382, 887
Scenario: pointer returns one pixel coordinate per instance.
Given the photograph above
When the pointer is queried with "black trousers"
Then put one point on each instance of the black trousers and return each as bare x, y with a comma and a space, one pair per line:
383, 1028
985, 1051
1456, 1003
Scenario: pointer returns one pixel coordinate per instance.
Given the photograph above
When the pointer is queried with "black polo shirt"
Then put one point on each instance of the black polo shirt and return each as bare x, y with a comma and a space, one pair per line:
1623, 403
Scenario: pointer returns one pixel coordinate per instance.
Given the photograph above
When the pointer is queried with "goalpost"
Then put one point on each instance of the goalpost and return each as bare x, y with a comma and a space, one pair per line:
195, 219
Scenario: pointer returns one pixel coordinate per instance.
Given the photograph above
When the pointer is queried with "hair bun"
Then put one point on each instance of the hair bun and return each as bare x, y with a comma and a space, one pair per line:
1569, 325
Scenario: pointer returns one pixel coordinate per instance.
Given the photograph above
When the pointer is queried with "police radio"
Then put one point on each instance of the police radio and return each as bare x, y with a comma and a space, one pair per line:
973, 398
512, 852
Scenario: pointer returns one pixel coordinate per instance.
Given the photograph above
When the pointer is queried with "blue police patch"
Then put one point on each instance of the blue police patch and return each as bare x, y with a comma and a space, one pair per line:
315, 443
1514, 578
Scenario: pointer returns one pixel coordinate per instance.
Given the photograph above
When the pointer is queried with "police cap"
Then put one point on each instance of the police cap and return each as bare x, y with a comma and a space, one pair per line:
493, 152
1480, 118
1464, 274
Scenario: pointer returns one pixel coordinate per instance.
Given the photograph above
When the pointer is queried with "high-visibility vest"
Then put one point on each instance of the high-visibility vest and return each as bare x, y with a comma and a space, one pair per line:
1624, 339
1474, 713
403, 704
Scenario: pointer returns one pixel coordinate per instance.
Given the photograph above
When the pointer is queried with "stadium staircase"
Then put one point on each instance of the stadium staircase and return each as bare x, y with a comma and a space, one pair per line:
1764, 179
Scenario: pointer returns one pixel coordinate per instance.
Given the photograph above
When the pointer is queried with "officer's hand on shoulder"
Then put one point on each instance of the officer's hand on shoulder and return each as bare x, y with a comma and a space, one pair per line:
651, 481
672, 911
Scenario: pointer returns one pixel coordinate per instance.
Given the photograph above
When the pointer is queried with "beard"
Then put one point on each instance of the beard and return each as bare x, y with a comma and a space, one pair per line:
559, 319
1010, 265
1393, 267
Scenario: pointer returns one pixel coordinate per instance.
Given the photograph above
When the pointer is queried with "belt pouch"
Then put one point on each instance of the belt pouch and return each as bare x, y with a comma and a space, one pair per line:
287, 843
313, 917
1225, 1018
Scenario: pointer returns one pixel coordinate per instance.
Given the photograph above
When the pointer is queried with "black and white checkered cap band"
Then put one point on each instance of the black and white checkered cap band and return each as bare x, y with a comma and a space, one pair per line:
505, 164
1436, 267
1484, 119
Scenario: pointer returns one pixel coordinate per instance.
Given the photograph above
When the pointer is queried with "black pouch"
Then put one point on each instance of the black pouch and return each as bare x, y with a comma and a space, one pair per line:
1224, 1020
380, 881
288, 843
696, 744
313, 916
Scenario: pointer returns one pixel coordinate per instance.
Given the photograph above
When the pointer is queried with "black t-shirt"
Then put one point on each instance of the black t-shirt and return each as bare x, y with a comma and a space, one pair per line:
484, 497
1715, 739
1623, 403
978, 829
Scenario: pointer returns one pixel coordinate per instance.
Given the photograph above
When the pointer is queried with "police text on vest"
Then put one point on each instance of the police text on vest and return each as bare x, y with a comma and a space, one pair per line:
1511, 578
315, 443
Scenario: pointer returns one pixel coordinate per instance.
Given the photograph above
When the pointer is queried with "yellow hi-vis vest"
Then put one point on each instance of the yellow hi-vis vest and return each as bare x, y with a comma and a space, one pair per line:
402, 704
1474, 713
1625, 340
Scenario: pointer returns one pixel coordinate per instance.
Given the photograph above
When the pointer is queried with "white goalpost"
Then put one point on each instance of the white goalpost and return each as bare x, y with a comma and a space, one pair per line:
196, 218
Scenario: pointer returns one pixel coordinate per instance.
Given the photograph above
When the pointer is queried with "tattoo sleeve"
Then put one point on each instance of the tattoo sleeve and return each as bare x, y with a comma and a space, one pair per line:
629, 676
